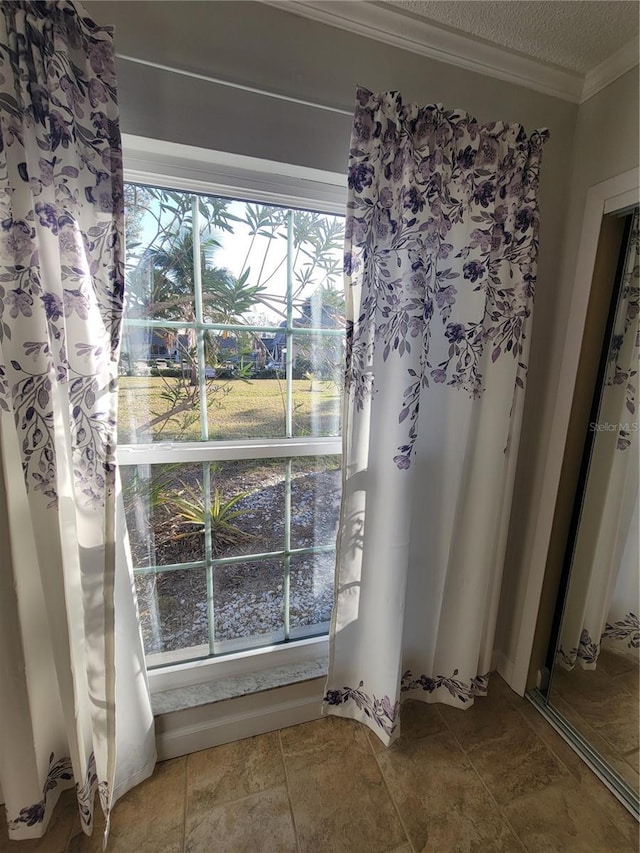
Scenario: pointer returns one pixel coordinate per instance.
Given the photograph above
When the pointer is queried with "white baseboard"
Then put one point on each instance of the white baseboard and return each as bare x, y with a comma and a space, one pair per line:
505, 667
193, 729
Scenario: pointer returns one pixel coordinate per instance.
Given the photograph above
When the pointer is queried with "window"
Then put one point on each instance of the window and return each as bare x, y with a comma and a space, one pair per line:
229, 418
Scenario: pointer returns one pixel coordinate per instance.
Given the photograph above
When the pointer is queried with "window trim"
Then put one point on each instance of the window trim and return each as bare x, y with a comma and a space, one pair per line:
191, 169
219, 451
181, 674
176, 166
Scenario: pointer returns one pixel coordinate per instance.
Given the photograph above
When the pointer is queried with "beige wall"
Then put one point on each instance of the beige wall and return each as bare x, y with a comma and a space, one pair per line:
258, 45
606, 144
265, 47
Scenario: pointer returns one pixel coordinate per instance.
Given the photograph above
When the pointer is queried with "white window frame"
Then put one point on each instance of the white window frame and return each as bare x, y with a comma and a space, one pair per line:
190, 169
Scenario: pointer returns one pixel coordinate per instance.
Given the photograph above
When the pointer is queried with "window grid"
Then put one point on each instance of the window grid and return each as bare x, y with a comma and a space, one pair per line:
229, 327
229, 561
200, 326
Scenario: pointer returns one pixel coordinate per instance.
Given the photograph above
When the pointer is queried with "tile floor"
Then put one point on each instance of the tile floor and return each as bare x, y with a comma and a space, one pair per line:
493, 778
603, 705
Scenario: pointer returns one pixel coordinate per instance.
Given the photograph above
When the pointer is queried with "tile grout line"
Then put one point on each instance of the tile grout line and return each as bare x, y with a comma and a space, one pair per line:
501, 811
234, 800
548, 746
531, 727
243, 797
558, 782
576, 779
388, 789
618, 680
286, 784
589, 733
557, 757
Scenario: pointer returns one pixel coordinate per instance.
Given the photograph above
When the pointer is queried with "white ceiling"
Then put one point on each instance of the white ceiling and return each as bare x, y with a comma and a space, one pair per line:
569, 33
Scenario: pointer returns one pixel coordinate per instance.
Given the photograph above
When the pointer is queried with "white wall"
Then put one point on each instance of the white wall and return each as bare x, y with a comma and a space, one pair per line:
265, 47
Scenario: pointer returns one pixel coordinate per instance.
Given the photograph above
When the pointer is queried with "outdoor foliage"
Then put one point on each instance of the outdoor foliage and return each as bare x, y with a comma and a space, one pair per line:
244, 409
222, 513
162, 279
240, 304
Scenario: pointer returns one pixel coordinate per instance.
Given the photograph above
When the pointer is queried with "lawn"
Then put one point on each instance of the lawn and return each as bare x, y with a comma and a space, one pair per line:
156, 408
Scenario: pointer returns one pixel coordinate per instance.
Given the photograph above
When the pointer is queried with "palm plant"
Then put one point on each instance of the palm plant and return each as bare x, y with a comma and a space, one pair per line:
222, 513
172, 295
226, 298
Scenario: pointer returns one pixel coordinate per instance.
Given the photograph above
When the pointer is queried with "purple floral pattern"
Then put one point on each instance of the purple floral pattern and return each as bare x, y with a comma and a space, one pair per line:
61, 243
461, 690
626, 630
586, 651
59, 771
85, 795
421, 182
385, 713
61, 299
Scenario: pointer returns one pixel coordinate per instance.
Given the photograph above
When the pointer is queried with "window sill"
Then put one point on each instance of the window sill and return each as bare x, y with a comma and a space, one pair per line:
235, 686
231, 706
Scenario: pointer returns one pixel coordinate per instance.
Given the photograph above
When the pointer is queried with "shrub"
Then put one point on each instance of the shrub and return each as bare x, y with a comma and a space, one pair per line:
222, 514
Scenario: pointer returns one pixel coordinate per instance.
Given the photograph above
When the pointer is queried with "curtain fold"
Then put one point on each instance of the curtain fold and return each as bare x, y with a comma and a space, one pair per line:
603, 592
65, 718
440, 265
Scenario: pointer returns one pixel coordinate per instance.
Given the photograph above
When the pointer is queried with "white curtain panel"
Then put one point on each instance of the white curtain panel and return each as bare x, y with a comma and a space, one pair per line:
622, 623
603, 558
74, 703
440, 266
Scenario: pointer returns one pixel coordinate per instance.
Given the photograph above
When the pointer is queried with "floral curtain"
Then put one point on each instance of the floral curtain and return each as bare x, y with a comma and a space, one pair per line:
603, 593
440, 266
74, 704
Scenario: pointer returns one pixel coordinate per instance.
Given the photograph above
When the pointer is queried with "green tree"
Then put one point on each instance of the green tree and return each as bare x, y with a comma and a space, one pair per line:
161, 280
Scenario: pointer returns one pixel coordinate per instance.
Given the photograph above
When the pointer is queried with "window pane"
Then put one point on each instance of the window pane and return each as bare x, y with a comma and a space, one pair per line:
158, 391
317, 268
244, 277
159, 534
159, 259
277, 273
173, 610
247, 516
316, 486
317, 384
248, 603
311, 589
241, 408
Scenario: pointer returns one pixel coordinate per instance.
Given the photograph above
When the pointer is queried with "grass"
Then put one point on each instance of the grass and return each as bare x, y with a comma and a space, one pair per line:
236, 409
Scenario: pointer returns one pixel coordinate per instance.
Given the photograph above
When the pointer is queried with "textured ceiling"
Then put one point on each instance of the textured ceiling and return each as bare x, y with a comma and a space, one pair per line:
570, 33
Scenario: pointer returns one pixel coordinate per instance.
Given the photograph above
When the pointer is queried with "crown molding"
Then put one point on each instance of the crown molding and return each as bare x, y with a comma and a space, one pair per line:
400, 30
614, 66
